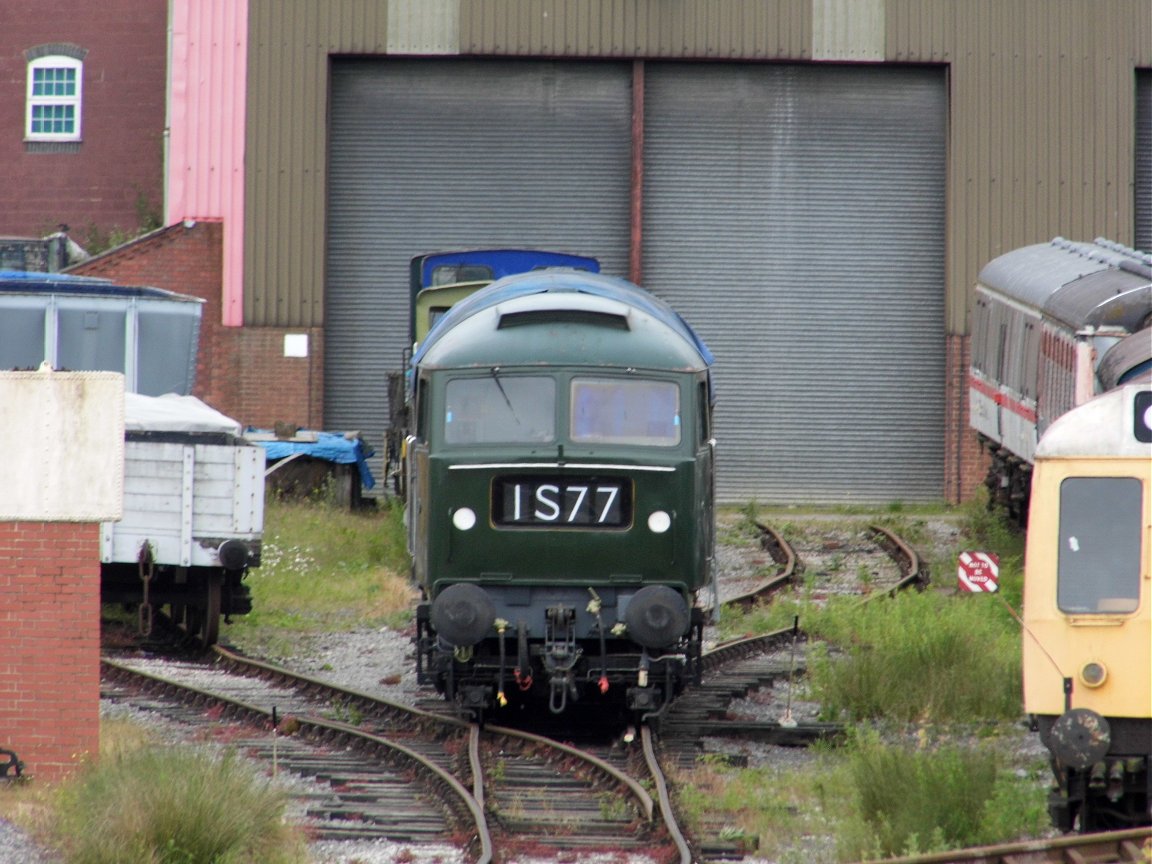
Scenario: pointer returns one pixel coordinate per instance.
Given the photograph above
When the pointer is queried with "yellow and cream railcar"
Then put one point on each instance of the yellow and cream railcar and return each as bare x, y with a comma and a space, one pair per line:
1087, 652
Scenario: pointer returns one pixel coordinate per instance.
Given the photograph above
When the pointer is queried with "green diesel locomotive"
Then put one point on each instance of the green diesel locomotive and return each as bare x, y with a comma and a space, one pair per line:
560, 496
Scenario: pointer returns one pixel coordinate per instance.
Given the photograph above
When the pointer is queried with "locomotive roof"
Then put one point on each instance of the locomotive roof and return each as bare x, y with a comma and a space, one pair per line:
1127, 359
1081, 284
1104, 426
513, 321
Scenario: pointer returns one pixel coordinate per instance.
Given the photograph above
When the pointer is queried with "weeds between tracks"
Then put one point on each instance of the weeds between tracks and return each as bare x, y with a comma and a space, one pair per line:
930, 681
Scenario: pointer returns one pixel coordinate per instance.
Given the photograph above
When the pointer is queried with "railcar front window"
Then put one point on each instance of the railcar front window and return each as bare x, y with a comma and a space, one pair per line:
625, 411
1098, 568
500, 409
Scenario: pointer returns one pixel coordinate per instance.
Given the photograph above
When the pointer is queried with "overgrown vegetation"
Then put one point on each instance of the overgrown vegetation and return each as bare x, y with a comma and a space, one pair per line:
961, 652
932, 798
905, 674
925, 768
324, 567
149, 217
175, 806
145, 803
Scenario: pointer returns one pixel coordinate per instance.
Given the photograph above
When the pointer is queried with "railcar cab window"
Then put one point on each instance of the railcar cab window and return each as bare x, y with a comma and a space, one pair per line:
625, 411
500, 409
1100, 555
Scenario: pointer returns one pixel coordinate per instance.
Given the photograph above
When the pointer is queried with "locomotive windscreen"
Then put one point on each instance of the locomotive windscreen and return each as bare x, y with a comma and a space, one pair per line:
625, 411
500, 409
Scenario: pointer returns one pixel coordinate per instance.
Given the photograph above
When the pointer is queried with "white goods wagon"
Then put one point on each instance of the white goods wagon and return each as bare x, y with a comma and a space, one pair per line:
193, 516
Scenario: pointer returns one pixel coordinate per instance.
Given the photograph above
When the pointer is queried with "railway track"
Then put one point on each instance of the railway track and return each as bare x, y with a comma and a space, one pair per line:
765, 668
1113, 847
538, 799
359, 784
376, 769
867, 560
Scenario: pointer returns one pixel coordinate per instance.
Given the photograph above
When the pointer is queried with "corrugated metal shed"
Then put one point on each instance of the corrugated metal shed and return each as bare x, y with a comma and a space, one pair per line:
1144, 160
1042, 122
1047, 109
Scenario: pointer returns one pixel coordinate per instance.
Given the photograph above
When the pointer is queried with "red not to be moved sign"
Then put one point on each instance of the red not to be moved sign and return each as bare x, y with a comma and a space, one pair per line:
979, 572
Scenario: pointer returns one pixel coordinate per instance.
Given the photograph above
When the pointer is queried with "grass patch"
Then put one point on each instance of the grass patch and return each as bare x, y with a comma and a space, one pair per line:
325, 568
909, 801
174, 806
962, 652
143, 802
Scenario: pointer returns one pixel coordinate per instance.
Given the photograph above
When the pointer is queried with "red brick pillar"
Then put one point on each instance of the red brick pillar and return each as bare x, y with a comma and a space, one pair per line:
50, 644
61, 475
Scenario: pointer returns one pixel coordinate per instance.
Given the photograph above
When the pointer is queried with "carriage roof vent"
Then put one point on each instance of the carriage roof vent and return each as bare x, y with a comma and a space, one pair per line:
586, 317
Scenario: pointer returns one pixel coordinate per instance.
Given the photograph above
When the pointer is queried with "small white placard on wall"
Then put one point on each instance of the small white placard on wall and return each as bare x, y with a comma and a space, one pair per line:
295, 344
61, 446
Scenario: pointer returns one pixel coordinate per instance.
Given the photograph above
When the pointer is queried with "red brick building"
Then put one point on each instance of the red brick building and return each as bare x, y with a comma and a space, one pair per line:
241, 371
82, 117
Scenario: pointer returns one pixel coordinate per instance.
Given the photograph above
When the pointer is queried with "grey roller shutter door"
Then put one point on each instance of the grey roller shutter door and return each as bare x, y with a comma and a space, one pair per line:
795, 215
439, 155
1144, 160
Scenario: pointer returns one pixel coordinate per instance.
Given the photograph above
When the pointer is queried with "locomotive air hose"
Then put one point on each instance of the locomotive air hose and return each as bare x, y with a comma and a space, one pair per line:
501, 626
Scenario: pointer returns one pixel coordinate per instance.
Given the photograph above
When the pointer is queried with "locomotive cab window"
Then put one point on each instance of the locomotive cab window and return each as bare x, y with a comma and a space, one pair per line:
625, 411
450, 274
1100, 554
500, 409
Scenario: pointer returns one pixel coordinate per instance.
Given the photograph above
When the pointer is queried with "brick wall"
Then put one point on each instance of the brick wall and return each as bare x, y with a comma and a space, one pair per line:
241, 371
964, 460
50, 644
114, 178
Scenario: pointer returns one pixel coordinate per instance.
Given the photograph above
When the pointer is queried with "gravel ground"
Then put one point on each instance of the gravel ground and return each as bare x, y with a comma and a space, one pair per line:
380, 662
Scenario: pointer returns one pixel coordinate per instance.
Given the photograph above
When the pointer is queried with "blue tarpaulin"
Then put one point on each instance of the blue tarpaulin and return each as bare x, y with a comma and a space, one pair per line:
329, 446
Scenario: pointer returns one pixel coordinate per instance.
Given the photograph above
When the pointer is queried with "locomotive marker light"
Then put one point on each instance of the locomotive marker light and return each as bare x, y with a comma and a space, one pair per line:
1093, 674
979, 572
659, 522
464, 518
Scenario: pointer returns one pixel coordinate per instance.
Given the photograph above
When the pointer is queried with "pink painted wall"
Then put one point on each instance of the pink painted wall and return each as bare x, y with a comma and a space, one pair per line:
206, 106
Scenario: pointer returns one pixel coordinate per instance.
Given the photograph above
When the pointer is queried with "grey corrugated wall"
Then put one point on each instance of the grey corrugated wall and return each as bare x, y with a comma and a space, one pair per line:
441, 155
796, 216
1143, 196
